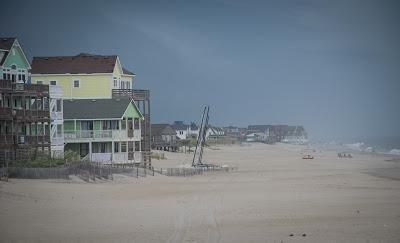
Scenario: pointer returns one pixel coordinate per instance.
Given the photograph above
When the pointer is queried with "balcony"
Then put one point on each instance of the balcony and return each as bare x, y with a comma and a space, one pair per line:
135, 94
100, 135
5, 112
9, 139
87, 135
8, 84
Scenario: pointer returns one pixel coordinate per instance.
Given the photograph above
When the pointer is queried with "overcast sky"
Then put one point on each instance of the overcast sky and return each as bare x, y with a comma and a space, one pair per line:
332, 66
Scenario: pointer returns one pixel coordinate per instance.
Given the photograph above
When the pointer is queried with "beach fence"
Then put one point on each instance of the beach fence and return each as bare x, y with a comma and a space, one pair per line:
191, 171
87, 171
90, 171
133, 171
4, 174
38, 173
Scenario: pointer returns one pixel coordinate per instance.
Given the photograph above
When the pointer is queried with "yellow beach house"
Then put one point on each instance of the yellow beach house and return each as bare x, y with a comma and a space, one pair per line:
84, 76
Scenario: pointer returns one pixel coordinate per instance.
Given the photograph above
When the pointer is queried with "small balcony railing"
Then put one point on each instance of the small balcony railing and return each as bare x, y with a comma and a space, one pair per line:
100, 134
87, 134
5, 112
56, 115
24, 139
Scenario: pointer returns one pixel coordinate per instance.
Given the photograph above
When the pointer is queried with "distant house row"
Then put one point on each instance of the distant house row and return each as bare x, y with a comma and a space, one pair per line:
82, 103
166, 136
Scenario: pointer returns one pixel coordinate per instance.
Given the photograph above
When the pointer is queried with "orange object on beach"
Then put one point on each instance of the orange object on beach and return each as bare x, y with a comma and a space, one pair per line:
308, 156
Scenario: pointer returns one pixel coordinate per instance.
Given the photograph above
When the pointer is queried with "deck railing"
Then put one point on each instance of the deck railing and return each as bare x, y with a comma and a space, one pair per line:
99, 134
87, 134
8, 84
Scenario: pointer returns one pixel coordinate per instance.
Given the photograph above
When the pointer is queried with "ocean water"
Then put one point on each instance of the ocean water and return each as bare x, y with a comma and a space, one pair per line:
382, 145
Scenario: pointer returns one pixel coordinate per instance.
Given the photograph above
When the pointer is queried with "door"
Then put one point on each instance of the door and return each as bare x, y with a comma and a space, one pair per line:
130, 127
83, 149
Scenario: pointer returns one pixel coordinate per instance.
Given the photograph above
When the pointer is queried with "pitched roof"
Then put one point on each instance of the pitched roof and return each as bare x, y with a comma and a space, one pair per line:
81, 63
179, 125
95, 109
6, 43
162, 129
126, 71
193, 126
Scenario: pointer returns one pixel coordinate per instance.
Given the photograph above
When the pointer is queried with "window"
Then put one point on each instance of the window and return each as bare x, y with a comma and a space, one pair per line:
116, 147
115, 82
4, 76
128, 85
23, 77
123, 124
123, 146
136, 121
39, 82
137, 146
86, 125
13, 67
122, 85
130, 146
110, 125
58, 105
53, 82
19, 77
13, 77
8, 76
76, 83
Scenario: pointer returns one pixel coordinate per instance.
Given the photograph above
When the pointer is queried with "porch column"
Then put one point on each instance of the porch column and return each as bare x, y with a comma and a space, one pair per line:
90, 151
112, 152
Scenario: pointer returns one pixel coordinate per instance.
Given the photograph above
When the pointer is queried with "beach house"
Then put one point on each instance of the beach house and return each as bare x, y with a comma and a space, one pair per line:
14, 65
89, 76
103, 130
163, 137
184, 131
24, 120
31, 114
78, 75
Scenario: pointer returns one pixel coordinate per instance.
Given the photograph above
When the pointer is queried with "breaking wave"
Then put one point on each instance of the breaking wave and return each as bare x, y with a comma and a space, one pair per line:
394, 152
362, 147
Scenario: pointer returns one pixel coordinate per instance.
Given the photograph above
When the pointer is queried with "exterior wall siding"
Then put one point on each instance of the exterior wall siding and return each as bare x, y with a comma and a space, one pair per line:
90, 86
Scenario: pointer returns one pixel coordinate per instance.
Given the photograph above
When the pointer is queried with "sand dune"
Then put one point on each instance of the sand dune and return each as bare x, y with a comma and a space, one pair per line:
274, 196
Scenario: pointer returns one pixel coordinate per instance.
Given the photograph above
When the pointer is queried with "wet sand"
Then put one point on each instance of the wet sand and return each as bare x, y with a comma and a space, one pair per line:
274, 196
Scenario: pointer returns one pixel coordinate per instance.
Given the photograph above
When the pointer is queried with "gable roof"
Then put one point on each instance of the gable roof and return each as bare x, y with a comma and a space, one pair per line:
6, 43
127, 72
193, 126
81, 63
162, 129
95, 109
179, 125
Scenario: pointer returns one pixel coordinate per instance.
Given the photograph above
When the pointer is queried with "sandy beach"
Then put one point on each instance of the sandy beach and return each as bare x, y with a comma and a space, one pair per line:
274, 196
